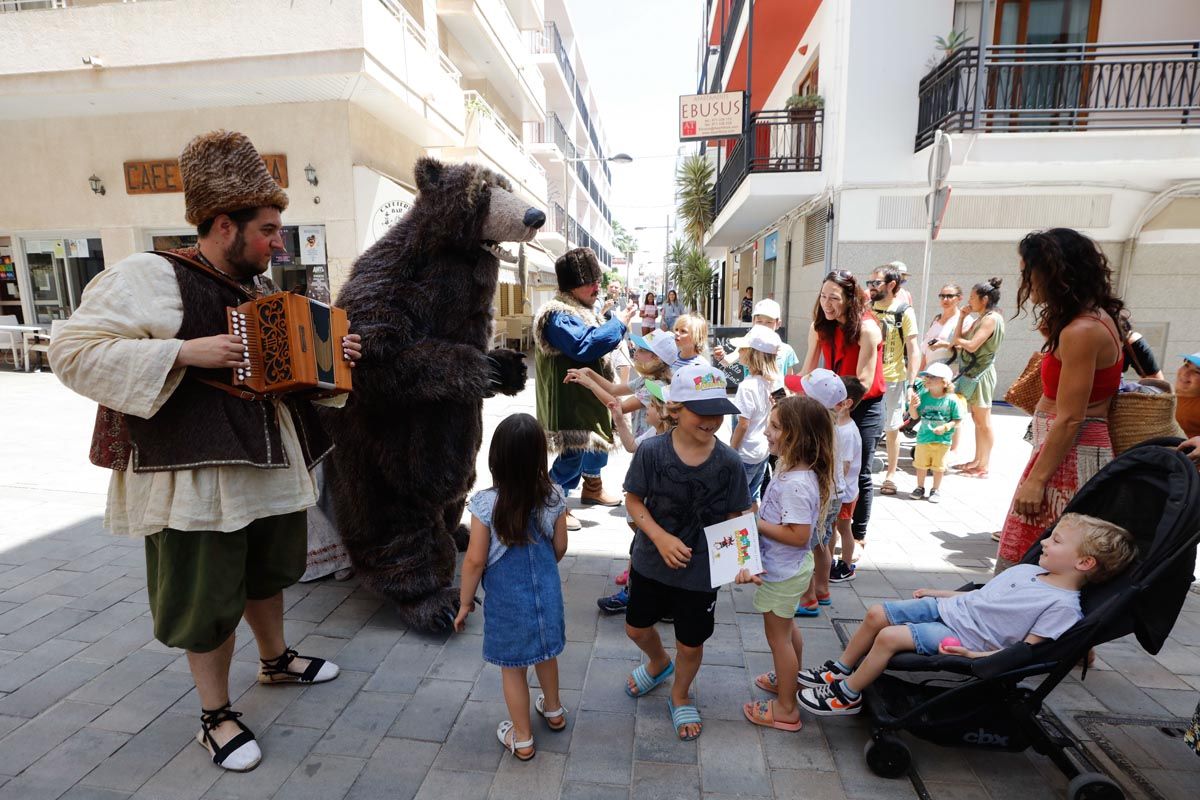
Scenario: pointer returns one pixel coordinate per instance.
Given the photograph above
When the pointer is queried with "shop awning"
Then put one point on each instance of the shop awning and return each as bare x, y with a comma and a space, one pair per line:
539, 267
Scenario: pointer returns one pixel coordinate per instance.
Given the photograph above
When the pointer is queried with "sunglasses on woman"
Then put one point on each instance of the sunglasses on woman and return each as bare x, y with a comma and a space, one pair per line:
947, 296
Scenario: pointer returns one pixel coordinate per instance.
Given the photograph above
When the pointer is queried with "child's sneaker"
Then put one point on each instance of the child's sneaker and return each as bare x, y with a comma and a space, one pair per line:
823, 675
841, 572
614, 603
934, 496
829, 701
918, 493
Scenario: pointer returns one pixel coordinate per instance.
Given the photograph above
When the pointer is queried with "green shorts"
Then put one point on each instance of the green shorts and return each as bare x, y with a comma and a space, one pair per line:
781, 597
199, 581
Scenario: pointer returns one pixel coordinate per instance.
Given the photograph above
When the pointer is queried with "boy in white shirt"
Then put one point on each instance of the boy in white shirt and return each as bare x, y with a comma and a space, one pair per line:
756, 351
1026, 602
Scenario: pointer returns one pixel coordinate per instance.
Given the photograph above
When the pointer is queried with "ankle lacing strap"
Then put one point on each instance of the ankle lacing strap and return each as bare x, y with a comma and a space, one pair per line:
211, 718
279, 666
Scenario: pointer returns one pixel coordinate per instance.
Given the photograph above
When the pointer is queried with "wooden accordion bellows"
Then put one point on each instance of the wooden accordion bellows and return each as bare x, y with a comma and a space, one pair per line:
293, 344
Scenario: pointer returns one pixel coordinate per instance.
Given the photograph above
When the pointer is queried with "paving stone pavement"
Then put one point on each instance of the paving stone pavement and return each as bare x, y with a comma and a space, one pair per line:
92, 707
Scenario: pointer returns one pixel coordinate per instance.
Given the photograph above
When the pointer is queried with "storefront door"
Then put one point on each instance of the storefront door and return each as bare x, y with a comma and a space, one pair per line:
58, 271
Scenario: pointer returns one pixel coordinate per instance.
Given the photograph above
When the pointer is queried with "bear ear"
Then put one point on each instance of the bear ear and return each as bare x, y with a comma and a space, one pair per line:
428, 172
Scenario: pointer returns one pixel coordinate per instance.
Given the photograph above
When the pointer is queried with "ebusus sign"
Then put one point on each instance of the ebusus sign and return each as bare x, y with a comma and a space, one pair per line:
710, 116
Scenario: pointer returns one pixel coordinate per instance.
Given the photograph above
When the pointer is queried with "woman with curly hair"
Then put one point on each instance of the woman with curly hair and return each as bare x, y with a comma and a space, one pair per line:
1069, 281
846, 336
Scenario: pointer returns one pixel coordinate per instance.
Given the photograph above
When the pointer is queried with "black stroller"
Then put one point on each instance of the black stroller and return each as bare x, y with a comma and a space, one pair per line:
1151, 490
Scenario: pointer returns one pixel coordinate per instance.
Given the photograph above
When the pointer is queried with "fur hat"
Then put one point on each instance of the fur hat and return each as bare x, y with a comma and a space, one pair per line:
222, 172
576, 268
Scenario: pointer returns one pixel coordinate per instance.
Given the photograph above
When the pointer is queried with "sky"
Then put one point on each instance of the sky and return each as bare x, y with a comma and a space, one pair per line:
640, 55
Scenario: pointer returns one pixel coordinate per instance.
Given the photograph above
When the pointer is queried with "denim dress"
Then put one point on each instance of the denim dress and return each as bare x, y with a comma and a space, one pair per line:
523, 620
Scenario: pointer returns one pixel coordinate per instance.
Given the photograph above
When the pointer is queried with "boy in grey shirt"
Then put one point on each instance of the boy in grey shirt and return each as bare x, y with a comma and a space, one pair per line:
1026, 602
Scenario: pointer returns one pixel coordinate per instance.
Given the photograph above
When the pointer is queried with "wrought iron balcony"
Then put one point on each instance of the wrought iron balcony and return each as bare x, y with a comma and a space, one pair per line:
1063, 87
786, 140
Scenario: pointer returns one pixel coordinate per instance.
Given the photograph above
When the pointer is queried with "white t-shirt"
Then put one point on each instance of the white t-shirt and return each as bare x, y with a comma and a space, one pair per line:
1008, 608
847, 442
649, 314
941, 332
792, 498
753, 400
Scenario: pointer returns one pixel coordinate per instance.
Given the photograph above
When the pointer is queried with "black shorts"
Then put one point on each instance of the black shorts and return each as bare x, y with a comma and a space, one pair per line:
650, 600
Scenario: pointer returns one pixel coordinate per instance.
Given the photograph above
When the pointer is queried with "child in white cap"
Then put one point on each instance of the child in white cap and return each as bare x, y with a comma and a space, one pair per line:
932, 400
756, 352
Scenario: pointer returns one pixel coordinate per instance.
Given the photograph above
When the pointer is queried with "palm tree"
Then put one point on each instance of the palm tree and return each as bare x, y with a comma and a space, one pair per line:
693, 184
696, 279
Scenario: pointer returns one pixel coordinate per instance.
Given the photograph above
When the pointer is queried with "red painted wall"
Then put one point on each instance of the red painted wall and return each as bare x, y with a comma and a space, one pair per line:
779, 25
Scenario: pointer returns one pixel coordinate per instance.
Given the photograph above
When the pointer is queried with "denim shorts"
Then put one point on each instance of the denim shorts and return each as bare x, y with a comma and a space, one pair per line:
824, 531
923, 621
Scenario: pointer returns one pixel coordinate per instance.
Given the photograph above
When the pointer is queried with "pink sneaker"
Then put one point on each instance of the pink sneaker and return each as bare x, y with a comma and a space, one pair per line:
622, 579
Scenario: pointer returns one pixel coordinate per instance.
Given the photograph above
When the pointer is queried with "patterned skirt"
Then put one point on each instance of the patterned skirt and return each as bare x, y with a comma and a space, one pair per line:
1091, 451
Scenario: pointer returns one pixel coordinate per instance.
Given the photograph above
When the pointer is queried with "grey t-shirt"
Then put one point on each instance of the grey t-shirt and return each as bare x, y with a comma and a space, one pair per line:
684, 500
1008, 608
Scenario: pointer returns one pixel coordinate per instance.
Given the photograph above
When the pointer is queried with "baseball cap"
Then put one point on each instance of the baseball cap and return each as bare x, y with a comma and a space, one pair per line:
661, 343
899, 266
656, 390
767, 308
1193, 359
821, 385
701, 389
760, 338
938, 370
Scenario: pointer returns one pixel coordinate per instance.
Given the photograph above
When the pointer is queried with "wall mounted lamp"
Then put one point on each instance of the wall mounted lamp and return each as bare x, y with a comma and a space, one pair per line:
310, 173
97, 185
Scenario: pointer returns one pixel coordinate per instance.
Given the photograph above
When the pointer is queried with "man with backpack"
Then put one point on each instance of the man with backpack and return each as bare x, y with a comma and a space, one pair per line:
901, 358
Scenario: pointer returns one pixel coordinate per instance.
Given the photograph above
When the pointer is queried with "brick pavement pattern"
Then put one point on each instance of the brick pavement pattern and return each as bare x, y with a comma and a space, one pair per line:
92, 707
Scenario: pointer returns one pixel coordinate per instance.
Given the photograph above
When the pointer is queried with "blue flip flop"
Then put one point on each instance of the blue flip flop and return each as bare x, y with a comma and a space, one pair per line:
684, 715
645, 682
805, 611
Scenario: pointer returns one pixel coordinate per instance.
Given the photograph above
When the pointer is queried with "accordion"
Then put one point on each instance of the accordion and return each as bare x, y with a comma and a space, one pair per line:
293, 344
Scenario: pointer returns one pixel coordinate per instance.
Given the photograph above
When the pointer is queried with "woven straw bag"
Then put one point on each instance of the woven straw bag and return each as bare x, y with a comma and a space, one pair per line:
1026, 390
1135, 417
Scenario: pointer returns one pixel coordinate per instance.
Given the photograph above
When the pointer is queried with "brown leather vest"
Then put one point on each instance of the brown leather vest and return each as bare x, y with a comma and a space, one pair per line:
200, 425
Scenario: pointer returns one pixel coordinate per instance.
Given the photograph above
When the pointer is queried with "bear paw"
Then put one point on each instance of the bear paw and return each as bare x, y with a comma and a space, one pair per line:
508, 371
433, 613
461, 536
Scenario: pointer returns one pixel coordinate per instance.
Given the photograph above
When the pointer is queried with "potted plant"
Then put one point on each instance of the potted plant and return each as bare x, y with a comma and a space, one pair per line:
946, 45
801, 106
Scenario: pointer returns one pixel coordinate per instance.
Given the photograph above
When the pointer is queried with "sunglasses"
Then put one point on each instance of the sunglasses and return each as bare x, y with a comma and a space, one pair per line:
874, 283
948, 296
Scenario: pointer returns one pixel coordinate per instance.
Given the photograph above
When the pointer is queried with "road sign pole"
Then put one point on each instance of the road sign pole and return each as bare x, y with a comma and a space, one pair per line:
939, 168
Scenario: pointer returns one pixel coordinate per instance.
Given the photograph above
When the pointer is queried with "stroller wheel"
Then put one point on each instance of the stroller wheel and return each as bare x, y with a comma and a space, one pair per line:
1094, 786
887, 756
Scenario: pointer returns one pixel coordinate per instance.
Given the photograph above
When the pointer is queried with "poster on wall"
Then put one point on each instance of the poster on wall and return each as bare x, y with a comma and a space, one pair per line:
379, 202
312, 244
318, 283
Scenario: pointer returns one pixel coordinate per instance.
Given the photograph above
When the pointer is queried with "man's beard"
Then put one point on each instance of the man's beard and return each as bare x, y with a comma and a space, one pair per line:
238, 263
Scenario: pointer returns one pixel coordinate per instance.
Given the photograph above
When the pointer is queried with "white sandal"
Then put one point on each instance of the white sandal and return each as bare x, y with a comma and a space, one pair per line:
511, 744
239, 754
551, 716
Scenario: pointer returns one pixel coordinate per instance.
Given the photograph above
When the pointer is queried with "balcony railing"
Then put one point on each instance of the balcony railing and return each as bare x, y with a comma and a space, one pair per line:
1063, 87
779, 141
474, 101
731, 26
45, 5
414, 29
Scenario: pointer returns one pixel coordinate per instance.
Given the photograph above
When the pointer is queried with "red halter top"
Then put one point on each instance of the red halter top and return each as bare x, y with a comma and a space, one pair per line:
843, 360
1104, 381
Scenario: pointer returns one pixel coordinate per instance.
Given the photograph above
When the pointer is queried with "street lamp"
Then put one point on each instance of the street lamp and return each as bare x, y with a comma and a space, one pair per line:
619, 158
667, 249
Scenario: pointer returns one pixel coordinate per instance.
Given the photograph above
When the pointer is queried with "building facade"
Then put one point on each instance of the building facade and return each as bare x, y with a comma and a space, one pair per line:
1084, 115
341, 97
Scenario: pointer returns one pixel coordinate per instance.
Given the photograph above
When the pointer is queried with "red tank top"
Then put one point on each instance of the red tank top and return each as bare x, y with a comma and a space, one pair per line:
843, 360
1104, 381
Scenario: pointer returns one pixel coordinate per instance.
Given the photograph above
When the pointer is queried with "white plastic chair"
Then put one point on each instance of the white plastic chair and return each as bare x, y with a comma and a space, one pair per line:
11, 340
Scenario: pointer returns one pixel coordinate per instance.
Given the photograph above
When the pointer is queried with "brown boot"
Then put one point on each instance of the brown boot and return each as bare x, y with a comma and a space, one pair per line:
593, 493
572, 523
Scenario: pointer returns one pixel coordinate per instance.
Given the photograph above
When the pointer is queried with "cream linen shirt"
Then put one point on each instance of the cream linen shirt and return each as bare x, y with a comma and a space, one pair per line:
118, 349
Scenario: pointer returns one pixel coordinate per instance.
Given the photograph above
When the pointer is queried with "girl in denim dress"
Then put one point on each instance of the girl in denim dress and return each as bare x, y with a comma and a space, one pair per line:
518, 536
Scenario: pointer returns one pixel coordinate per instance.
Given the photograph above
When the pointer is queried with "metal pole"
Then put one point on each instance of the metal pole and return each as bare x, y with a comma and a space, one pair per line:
749, 69
985, 35
927, 262
666, 254
566, 205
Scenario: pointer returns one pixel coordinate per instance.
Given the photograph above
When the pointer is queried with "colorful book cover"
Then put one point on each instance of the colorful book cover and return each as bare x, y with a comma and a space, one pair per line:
733, 546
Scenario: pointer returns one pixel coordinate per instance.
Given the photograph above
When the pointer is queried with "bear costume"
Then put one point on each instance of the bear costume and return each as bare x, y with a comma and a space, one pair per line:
422, 300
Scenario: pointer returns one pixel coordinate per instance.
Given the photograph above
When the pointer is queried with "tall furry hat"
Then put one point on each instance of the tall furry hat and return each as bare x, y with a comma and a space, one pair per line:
222, 172
576, 268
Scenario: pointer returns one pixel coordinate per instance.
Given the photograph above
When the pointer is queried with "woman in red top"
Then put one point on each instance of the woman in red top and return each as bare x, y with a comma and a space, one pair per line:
1069, 281
847, 338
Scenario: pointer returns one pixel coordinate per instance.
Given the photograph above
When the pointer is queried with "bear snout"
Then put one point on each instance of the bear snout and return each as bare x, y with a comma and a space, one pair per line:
535, 218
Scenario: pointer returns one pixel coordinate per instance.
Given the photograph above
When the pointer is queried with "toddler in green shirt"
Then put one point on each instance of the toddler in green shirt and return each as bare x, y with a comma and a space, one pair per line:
932, 400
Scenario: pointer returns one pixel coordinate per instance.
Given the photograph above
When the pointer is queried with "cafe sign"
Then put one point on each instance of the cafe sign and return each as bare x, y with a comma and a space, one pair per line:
710, 116
162, 176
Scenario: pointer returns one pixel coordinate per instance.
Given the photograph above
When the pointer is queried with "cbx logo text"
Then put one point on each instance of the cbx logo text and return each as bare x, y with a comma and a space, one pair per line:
983, 737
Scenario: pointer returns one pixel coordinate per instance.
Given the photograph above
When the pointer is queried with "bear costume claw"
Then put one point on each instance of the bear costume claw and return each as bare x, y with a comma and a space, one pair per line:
509, 371
433, 613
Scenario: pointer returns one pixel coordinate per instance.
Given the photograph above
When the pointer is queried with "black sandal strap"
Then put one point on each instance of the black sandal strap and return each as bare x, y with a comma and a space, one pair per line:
279, 666
222, 753
211, 718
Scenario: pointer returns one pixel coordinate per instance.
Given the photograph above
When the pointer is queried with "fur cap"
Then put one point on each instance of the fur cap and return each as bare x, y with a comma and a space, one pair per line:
576, 268
222, 172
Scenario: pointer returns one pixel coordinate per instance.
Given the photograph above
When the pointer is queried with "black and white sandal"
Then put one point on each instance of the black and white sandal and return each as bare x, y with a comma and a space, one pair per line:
276, 670
239, 754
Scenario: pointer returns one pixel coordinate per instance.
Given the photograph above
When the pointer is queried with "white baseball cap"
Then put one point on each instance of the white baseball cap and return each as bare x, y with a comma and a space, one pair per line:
824, 386
661, 343
760, 338
899, 266
767, 308
938, 370
701, 389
